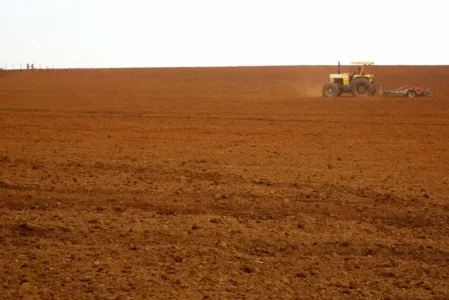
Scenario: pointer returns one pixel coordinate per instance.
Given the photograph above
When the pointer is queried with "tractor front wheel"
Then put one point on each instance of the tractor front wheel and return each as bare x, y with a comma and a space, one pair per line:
361, 87
330, 90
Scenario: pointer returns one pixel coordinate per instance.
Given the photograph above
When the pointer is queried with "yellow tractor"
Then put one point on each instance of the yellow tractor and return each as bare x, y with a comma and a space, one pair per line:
358, 83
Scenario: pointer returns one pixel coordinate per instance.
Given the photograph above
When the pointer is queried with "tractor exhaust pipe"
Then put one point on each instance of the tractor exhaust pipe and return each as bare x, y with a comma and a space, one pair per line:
338, 67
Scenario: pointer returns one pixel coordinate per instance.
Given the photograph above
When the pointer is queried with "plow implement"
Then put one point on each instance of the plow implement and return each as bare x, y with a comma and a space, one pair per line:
407, 91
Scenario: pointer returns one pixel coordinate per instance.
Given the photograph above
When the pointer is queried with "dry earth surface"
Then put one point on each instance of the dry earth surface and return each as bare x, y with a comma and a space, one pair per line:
222, 183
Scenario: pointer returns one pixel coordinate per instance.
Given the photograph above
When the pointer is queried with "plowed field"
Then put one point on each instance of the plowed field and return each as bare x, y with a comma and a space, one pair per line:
222, 183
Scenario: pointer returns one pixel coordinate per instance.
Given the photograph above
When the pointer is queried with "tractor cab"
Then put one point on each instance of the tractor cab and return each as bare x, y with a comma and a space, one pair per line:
361, 70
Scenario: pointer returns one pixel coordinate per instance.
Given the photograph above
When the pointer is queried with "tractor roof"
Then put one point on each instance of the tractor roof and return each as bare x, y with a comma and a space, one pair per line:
362, 63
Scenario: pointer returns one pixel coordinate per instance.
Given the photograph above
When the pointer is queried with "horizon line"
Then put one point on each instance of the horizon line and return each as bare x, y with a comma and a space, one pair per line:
52, 67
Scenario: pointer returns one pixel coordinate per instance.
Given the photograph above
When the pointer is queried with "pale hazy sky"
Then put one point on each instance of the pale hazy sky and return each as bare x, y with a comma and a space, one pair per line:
155, 33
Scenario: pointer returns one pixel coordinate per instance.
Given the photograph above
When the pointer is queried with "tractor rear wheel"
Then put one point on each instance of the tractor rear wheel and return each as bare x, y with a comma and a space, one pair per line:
330, 90
362, 87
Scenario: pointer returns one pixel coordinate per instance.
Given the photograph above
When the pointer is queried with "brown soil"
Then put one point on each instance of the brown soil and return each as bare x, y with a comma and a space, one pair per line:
222, 183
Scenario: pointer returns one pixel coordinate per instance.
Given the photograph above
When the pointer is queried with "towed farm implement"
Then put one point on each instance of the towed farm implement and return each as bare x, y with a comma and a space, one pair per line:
407, 91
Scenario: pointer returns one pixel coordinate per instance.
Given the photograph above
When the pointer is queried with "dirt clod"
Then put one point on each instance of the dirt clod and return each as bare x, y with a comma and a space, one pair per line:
249, 269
